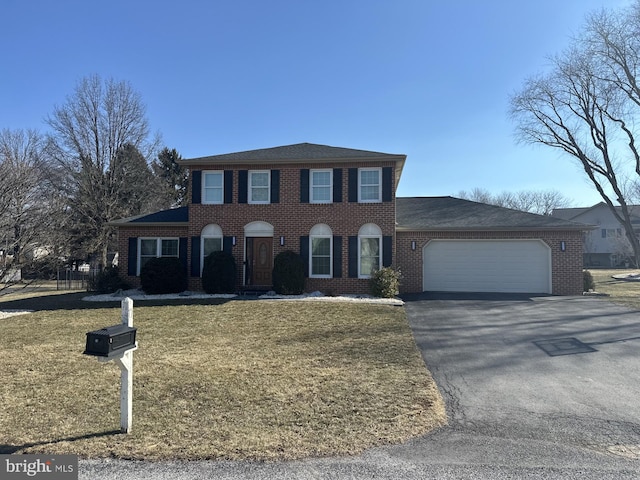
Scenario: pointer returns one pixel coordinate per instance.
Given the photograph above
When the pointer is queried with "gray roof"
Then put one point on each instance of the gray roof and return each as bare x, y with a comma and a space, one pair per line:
449, 213
178, 215
300, 152
573, 213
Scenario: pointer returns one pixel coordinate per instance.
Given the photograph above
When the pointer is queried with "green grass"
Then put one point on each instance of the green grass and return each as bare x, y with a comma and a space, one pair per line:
233, 380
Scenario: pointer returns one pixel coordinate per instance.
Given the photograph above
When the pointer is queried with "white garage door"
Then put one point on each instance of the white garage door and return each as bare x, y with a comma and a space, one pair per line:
514, 266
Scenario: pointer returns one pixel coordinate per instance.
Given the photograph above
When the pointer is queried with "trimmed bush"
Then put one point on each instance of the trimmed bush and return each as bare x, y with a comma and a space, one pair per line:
385, 283
108, 281
588, 282
163, 275
219, 273
288, 273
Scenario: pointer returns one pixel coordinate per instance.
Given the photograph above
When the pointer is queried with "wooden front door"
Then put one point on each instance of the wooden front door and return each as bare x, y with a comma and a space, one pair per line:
259, 261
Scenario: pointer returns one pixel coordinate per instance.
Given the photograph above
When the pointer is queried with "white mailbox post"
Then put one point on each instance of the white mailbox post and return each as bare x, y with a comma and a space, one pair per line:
100, 344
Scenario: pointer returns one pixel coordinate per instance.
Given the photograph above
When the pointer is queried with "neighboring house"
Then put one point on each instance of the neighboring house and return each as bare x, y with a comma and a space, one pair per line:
337, 208
605, 245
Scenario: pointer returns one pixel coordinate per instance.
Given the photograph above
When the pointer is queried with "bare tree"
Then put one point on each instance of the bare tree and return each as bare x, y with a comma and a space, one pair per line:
29, 212
90, 130
541, 202
587, 105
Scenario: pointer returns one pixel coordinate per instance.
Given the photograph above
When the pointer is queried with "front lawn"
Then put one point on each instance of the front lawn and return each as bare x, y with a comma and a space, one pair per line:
238, 379
623, 292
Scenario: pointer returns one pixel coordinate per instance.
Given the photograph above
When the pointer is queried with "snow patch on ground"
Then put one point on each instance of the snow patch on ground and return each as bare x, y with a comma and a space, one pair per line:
10, 313
314, 296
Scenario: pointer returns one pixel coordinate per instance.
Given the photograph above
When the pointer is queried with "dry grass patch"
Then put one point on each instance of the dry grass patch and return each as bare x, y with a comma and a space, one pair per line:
241, 379
620, 291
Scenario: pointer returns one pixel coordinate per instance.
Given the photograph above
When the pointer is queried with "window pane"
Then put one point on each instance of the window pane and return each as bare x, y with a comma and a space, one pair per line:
321, 194
369, 177
320, 246
321, 266
369, 193
259, 194
369, 247
213, 195
260, 179
213, 180
169, 248
148, 247
212, 245
321, 178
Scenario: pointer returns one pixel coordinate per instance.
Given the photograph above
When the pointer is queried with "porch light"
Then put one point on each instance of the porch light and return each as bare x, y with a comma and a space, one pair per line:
282, 241
563, 246
413, 244
233, 241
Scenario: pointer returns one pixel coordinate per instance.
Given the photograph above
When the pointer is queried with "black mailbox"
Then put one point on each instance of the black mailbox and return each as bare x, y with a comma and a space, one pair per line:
110, 341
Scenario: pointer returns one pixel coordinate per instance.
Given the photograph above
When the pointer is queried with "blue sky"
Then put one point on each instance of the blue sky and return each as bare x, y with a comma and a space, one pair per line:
430, 79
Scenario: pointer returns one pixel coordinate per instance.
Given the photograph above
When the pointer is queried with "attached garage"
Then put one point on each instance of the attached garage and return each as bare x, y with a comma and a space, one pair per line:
513, 266
446, 244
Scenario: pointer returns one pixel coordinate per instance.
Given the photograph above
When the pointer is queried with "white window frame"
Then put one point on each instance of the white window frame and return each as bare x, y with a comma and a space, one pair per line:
312, 186
210, 231
268, 187
158, 254
321, 231
360, 185
367, 231
204, 187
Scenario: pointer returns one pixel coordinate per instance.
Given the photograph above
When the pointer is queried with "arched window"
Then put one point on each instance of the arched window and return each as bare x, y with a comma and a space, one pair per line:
321, 248
210, 241
369, 250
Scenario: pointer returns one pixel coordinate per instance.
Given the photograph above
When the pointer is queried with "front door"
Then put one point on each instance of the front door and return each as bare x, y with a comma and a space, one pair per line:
259, 261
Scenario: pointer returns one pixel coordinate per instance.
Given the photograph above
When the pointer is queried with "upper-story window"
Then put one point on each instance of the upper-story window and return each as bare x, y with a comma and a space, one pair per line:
321, 186
212, 187
369, 185
259, 186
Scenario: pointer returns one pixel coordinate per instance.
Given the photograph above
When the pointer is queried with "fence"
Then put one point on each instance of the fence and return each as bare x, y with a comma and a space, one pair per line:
69, 279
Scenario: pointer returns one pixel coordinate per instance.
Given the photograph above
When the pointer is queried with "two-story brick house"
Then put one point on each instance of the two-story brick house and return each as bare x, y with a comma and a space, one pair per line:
337, 207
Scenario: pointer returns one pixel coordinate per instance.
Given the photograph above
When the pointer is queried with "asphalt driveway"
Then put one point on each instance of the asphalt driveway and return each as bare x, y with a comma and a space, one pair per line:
545, 387
563, 372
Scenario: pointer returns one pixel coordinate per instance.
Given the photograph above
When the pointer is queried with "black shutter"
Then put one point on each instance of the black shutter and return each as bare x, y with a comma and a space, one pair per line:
353, 185
228, 186
275, 186
243, 185
304, 253
353, 257
387, 251
195, 256
337, 185
337, 257
387, 184
304, 185
227, 244
132, 261
183, 245
196, 186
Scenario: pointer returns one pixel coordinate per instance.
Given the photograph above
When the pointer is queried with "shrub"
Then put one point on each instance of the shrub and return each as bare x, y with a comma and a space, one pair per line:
385, 282
163, 275
288, 273
108, 281
588, 282
219, 273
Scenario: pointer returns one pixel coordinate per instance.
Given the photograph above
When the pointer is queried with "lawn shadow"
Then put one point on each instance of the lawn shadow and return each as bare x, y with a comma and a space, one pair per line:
73, 301
11, 449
